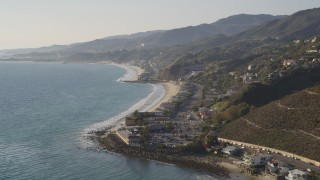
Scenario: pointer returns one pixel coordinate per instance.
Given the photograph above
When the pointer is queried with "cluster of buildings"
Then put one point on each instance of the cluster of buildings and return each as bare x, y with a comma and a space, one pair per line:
134, 124
131, 138
258, 163
146, 76
154, 120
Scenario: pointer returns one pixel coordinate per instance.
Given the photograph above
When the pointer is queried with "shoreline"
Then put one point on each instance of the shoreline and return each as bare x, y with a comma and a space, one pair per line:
170, 90
157, 96
137, 70
91, 134
206, 165
188, 161
101, 136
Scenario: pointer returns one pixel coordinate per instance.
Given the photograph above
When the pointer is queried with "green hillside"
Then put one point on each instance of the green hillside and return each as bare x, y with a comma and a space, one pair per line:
291, 123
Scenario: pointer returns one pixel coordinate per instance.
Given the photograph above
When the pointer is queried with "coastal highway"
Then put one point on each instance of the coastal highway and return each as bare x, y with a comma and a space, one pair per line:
300, 162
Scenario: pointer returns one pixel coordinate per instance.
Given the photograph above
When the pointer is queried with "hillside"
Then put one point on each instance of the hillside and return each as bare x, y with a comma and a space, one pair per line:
291, 123
228, 26
255, 44
302, 24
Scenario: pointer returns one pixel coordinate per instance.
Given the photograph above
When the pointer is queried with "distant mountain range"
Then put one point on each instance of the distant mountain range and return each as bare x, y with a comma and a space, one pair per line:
160, 38
302, 24
237, 35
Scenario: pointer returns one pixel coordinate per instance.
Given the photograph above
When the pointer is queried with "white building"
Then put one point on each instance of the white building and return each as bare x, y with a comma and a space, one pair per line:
230, 150
289, 63
256, 160
297, 174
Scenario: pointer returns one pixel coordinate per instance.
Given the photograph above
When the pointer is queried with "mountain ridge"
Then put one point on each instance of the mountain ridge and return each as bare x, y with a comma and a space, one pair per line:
159, 38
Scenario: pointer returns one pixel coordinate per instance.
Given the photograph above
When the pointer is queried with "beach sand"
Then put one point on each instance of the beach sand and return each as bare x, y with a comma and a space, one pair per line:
237, 175
138, 70
170, 91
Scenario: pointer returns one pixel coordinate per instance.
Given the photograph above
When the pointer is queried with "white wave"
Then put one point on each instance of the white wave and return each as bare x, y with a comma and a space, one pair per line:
149, 101
130, 75
156, 97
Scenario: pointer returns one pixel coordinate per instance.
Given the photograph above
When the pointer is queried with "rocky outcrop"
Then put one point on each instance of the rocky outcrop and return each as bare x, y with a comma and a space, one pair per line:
111, 142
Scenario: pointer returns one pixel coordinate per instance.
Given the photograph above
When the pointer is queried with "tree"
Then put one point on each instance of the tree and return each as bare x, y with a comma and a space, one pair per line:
195, 147
145, 133
136, 114
212, 140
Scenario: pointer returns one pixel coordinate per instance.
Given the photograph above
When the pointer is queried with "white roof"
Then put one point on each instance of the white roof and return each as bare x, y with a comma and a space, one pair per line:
229, 148
297, 171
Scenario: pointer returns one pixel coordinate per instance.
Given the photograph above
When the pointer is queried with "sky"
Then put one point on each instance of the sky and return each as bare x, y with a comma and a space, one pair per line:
37, 23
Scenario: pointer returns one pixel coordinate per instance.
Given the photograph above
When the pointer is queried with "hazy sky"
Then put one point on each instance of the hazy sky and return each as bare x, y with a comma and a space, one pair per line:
35, 23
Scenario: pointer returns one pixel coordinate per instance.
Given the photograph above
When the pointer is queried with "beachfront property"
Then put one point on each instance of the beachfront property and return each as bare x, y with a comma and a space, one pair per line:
297, 174
146, 118
230, 150
256, 160
130, 121
144, 76
128, 137
278, 168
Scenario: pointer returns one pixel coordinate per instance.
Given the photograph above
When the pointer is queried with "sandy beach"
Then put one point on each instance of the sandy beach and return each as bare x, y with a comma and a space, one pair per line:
170, 88
235, 173
138, 71
170, 91
129, 76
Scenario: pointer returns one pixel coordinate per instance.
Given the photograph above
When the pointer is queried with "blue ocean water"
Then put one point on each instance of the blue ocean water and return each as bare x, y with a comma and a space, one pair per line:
44, 109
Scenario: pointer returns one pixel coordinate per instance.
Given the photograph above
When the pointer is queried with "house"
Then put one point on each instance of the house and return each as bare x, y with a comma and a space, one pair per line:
296, 174
230, 150
130, 121
311, 51
167, 107
289, 63
129, 138
247, 78
296, 41
278, 167
272, 167
205, 113
256, 160
272, 76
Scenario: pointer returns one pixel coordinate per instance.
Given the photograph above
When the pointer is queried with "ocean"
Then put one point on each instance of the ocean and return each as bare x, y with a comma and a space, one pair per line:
46, 109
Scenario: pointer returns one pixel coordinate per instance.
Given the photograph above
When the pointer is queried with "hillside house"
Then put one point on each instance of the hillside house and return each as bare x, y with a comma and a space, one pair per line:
278, 167
205, 113
289, 63
247, 78
312, 51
